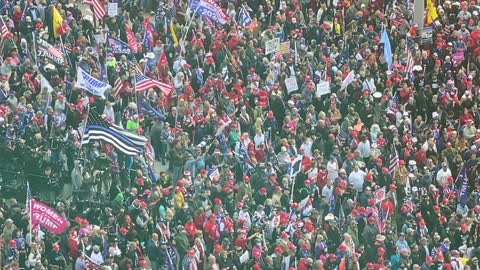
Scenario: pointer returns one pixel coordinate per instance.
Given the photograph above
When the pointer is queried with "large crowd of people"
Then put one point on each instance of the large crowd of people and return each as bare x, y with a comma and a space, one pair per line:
300, 134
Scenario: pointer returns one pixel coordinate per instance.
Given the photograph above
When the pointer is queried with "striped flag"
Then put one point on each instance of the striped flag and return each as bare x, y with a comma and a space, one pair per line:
382, 218
135, 68
143, 83
284, 48
3, 33
410, 62
117, 86
98, 8
394, 161
98, 129
4, 30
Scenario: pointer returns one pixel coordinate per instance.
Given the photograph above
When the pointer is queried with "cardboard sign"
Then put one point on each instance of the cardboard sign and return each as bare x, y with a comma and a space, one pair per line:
112, 9
291, 84
272, 45
323, 88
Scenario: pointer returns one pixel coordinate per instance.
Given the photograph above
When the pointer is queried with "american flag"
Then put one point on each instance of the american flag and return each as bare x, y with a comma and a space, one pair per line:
410, 62
98, 8
143, 83
97, 129
117, 86
4, 30
135, 68
382, 218
3, 33
342, 136
284, 48
393, 160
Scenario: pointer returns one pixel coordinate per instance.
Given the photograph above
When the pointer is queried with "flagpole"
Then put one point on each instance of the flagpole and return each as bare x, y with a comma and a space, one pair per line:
29, 200
182, 41
106, 56
35, 48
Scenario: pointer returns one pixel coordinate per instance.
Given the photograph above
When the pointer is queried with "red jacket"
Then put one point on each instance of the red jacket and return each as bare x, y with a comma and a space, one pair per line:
191, 230
73, 251
211, 229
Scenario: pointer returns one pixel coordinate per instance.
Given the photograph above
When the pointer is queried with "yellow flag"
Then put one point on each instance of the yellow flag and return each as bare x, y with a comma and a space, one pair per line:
57, 23
174, 36
431, 12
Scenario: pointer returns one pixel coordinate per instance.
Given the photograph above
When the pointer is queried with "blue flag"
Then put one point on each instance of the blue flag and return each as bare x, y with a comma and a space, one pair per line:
210, 10
147, 109
462, 183
244, 17
387, 48
116, 46
148, 40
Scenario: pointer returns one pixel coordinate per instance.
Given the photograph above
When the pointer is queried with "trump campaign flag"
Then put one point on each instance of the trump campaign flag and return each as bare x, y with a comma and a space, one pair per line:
210, 10
116, 46
132, 41
47, 217
90, 83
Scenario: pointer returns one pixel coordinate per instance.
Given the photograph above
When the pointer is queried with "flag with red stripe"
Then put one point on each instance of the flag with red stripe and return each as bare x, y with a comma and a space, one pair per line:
410, 62
98, 7
117, 86
143, 83
284, 48
4, 32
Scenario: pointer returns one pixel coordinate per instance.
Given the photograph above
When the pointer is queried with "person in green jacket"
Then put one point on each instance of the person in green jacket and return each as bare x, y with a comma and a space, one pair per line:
133, 124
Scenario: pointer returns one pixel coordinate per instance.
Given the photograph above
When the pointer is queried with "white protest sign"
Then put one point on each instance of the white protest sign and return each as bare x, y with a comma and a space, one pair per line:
323, 88
291, 84
100, 38
112, 9
272, 45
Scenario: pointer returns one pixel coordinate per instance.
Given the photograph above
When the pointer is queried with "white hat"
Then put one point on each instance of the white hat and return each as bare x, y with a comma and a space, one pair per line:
50, 66
434, 114
329, 217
